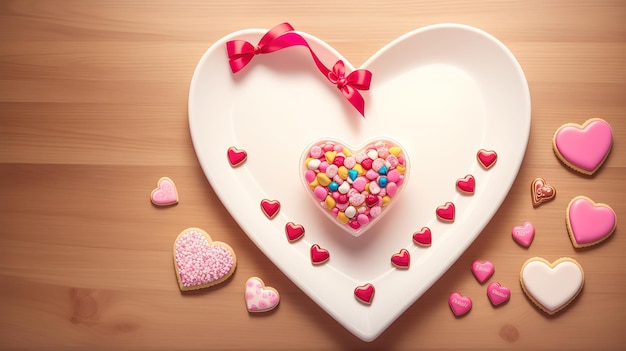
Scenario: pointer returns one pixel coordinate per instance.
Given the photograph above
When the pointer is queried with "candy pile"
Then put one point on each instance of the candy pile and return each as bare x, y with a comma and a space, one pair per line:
355, 188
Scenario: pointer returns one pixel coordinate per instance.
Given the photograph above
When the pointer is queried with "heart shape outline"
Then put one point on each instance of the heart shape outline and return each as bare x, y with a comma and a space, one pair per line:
214, 122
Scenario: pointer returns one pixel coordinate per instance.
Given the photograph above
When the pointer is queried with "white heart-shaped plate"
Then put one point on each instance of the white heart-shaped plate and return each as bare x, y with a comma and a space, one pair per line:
443, 91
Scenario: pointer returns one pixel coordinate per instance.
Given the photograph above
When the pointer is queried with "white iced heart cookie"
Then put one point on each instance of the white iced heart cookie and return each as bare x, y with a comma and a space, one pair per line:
552, 286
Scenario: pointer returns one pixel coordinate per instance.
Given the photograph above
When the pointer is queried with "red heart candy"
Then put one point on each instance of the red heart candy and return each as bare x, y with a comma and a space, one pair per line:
446, 212
486, 158
319, 255
365, 293
236, 156
401, 259
467, 184
423, 237
294, 231
270, 207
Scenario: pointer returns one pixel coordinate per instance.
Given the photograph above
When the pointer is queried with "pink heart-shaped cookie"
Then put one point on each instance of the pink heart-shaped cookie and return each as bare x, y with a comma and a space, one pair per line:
165, 193
459, 304
354, 188
201, 262
583, 147
589, 223
524, 234
498, 294
260, 298
482, 270
365, 293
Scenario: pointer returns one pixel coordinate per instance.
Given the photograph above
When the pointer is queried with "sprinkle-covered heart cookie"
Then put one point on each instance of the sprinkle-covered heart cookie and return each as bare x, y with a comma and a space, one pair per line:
354, 188
201, 262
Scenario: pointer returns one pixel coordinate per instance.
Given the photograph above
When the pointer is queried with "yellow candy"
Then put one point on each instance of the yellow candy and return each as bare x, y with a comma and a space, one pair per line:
330, 202
322, 179
367, 187
341, 217
347, 152
400, 169
342, 172
314, 183
359, 169
395, 150
386, 200
330, 156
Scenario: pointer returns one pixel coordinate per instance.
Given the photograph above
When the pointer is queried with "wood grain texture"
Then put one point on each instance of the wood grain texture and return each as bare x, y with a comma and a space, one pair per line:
93, 111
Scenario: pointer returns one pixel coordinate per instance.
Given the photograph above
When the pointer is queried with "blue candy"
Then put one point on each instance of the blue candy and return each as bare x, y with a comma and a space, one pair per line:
383, 170
333, 186
353, 173
382, 181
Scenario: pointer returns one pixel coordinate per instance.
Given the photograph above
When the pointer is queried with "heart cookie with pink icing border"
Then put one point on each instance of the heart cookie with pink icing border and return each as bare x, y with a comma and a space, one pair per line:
585, 147
260, 298
355, 189
589, 223
201, 262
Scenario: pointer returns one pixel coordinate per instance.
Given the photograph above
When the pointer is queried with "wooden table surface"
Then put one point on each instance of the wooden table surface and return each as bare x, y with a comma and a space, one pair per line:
93, 110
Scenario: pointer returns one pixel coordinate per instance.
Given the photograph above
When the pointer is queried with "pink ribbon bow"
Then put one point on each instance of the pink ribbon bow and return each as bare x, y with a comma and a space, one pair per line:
241, 52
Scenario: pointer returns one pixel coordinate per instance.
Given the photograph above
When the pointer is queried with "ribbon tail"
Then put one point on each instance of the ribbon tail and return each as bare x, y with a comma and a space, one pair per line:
355, 98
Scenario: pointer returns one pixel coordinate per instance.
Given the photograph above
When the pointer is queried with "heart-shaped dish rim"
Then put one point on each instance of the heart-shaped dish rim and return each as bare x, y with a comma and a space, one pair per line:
393, 296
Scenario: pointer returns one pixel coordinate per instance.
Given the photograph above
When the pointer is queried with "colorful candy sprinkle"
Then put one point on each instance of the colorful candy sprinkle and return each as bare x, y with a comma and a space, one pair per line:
355, 188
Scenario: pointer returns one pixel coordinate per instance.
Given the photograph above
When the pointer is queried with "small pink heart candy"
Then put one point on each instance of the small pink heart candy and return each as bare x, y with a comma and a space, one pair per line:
459, 304
466, 185
498, 294
482, 270
294, 231
524, 234
319, 255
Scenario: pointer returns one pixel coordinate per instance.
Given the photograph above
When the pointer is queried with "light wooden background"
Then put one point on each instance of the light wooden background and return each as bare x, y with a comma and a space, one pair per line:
93, 110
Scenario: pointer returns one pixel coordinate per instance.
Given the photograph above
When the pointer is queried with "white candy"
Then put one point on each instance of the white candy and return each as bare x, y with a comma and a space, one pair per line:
314, 164
344, 188
373, 154
350, 211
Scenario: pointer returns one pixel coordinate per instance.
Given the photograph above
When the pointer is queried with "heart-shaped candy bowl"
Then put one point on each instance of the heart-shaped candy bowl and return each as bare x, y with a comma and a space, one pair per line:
442, 92
354, 187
